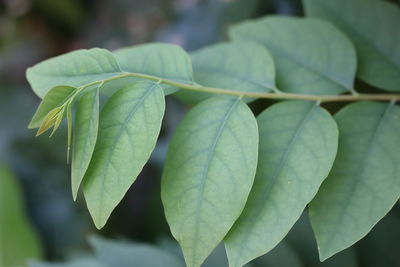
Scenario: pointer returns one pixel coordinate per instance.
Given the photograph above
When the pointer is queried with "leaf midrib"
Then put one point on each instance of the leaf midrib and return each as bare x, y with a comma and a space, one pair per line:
205, 173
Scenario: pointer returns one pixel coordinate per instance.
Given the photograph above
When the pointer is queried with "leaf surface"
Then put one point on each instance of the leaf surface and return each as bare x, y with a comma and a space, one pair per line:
311, 55
237, 66
129, 125
73, 69
298, 143
373, 26
85, 136
208, 174
162, 60
364, 182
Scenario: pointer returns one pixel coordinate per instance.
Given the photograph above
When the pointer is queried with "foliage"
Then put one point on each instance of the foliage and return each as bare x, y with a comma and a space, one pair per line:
18, 241
229, 177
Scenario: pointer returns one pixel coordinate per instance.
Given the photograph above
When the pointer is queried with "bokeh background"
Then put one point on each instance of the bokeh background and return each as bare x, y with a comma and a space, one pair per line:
33, 30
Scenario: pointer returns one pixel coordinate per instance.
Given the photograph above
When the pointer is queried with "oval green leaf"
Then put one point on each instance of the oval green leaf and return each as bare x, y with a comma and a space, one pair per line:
129, 125
208, 174
85, 136
307, 60
54, 98
162, 60
74, 69
246, 67
298, 143
364, 182
373, 26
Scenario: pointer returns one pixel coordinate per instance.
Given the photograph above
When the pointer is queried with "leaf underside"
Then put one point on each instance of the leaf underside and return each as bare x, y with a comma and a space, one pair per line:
298, 143
129, 125
307, 60
208, 174
373, 26
364, 182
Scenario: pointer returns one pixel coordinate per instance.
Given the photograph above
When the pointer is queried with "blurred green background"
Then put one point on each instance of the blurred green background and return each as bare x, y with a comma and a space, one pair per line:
38, 218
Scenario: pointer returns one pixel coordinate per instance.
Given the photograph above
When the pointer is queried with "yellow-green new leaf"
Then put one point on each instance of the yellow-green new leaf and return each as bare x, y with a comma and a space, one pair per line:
311, 56
208, 174
373, 26
54, 98
364, 183
85, 136
298, 143
129, 125
74, 69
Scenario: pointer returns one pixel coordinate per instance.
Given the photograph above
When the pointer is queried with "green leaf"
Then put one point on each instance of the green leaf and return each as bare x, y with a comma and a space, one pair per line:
208, 174
162, 60
74, 69
18, 240
128, 129
364, 182
123, 254
373, 26
298, 143
85, 136
311, 56
54, 98
244, 67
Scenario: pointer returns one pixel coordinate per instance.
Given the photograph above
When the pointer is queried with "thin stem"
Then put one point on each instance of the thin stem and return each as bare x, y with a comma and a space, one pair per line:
277, 95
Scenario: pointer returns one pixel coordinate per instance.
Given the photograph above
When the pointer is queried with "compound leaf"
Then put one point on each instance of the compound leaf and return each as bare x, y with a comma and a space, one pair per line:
74, 69
234, 66
311, 55
85, 136
129, 125
54, 98
298, 143
373, 26
162, 60
208, 174
364, 182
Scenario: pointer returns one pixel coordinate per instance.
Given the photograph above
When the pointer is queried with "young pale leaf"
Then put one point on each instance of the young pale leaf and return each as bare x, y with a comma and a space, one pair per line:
298, 143
235, 66
18, 241
74, 69
129, 125
52, 119
162, 60
208, 174
311, 55
54, 98
123, 254
85, 136
373, 26
364, 182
